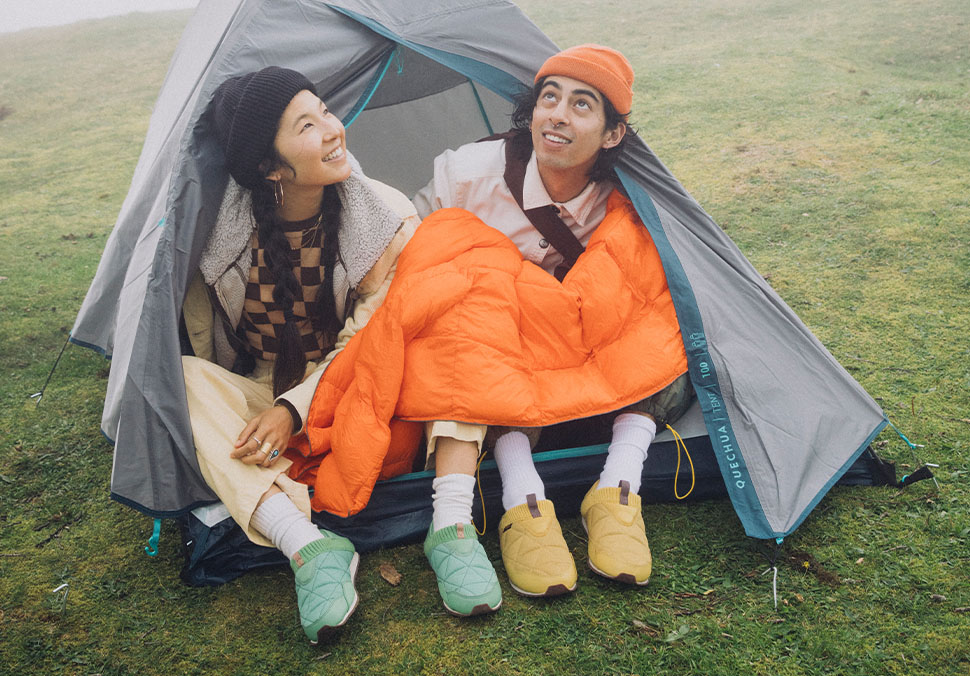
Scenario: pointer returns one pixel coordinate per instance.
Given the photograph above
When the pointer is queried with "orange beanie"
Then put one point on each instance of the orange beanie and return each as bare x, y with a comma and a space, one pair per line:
602, 67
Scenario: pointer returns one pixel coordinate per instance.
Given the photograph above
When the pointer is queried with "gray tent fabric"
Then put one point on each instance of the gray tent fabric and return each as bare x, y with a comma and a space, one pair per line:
410, 80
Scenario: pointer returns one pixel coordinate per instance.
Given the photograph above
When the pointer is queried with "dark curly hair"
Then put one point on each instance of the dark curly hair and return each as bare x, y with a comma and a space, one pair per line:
525, 105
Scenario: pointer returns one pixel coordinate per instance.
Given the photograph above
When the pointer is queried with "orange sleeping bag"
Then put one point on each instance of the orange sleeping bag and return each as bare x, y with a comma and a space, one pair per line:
470, 331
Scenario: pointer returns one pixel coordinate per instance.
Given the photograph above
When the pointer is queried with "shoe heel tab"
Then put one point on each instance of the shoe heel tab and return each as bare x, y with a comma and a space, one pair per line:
624, 492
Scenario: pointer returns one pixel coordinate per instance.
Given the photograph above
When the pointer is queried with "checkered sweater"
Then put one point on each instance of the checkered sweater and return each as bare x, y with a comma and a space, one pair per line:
367, 225
262, 318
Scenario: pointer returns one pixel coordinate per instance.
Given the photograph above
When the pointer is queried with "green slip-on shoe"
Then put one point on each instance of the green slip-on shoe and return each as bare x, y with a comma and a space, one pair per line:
325, 594
466, 578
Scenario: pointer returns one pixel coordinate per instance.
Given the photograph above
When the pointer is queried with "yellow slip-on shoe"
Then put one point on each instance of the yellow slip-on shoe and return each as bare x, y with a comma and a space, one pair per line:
618, 547
536, 557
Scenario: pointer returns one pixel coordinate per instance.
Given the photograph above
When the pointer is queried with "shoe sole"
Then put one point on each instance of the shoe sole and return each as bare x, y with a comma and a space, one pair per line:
326, 631
552, 590
625, 578
480, 609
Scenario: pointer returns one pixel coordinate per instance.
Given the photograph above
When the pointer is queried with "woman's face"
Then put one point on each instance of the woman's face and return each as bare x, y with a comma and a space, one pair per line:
312, 143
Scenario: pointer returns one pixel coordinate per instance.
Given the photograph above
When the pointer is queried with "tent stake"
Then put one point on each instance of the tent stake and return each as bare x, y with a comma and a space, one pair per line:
37, 396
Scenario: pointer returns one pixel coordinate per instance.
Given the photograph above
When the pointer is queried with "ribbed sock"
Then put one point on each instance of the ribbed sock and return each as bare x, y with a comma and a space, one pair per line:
513, 455
284, 524
452, 500
632, 435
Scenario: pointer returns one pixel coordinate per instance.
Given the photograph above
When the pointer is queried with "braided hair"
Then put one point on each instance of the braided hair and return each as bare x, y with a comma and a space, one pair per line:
246, 112
290, 364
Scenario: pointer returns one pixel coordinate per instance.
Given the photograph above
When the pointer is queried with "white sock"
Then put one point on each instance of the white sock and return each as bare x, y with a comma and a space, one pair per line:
513, 455
452, 500
632, 435
284, 524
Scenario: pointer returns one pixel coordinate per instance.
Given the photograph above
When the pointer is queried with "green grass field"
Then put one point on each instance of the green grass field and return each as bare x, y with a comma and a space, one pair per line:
831, 140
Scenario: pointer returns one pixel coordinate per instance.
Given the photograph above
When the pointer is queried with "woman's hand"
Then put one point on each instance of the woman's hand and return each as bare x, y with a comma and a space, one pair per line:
265, 437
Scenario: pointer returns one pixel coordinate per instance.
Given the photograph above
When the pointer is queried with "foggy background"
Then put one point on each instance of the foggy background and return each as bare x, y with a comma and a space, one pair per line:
17, 15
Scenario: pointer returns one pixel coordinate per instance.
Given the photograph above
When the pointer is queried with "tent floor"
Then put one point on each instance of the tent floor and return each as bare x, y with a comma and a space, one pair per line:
217, 550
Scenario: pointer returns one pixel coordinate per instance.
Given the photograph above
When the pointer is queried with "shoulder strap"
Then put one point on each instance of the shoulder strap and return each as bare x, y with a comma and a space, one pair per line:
545, 219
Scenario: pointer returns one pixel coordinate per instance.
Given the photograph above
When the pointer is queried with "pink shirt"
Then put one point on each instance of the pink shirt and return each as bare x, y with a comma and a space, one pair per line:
472, 178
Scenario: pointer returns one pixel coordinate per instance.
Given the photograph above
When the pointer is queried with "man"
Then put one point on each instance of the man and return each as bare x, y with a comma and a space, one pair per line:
567, 134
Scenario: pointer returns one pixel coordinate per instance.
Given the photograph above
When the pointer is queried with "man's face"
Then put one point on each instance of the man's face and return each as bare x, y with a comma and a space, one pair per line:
569, 126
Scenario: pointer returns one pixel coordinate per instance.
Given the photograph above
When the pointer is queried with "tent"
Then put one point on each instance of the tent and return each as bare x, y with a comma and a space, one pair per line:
778, 420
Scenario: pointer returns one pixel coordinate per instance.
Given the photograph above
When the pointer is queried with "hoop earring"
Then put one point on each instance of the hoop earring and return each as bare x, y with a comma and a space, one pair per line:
278, 193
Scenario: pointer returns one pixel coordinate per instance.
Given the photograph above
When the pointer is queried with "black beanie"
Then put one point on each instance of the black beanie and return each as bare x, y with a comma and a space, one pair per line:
247, 111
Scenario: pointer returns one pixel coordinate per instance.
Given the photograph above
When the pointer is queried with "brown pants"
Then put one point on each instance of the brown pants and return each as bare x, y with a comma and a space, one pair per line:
665, 407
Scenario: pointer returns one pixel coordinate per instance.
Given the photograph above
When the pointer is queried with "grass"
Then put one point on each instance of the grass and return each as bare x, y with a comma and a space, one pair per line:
829, 139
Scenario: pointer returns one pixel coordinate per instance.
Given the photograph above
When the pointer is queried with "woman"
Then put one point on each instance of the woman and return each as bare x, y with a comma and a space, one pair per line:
302, 252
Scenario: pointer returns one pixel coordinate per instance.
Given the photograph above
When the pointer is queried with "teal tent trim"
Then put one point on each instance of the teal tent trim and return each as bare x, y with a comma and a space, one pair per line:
543, 456
481, 108
495, 79
90, 346
157, 513
837, 475
702, 372
369, 91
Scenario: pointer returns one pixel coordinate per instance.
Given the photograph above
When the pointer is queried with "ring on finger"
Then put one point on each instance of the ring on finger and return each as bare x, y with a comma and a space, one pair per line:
265, 448
258, 443
274, 454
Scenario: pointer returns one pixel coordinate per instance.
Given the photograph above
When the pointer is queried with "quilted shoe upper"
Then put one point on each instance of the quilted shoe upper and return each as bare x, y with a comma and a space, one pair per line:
466, 578
325, 593
535, 555
618, 547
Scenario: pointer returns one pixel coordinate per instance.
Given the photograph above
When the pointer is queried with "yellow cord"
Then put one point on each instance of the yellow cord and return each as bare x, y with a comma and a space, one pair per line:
681, 444
677, 438
478, 480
